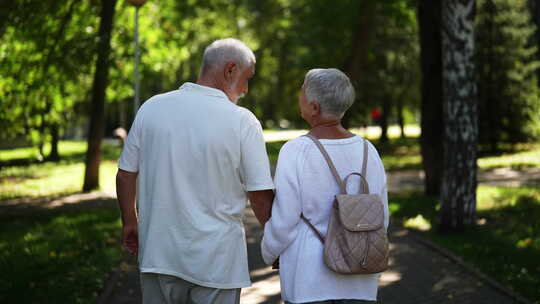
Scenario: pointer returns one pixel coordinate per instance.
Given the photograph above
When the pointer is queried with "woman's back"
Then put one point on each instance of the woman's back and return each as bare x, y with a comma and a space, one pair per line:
305, 185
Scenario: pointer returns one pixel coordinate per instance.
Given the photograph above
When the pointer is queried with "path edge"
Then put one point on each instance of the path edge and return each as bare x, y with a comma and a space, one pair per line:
108, 287
468, 267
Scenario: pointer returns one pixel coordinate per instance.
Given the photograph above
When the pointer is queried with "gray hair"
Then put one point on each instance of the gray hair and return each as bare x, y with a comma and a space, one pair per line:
331, 88
219, 52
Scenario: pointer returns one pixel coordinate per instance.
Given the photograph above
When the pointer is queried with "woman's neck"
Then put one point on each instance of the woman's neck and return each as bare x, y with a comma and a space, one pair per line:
331, 129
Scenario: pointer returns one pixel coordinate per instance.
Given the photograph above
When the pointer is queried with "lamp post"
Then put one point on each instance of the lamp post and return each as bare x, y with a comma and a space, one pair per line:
137, 4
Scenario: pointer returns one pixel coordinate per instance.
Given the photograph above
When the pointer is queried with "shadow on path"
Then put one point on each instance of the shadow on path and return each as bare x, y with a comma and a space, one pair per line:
417, 274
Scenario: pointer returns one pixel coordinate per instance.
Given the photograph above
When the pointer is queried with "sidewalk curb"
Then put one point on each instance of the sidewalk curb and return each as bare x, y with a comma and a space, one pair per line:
468, 267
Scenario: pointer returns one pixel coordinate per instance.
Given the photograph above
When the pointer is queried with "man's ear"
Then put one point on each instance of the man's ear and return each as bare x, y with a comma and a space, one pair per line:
229, 70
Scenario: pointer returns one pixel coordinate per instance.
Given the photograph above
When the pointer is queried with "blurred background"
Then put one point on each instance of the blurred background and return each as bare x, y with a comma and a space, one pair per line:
67, 84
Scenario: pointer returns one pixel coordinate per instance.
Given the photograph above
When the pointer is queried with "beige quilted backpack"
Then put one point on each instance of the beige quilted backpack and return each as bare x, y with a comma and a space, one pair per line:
356, 241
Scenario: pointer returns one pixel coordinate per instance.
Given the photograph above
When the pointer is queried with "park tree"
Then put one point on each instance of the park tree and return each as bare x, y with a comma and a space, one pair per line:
508, 102
45, 51
97, 113
534, 8
393, 69
431, 140
458, 191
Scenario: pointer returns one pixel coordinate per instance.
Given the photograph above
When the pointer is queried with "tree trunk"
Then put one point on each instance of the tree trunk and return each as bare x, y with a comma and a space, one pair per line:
534, 6
97, 114
429, 19
400, 119
384, 120
55, 138
458, 191
357, 61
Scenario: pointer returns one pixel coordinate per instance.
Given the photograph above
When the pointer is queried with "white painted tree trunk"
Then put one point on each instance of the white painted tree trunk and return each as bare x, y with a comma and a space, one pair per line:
458, 191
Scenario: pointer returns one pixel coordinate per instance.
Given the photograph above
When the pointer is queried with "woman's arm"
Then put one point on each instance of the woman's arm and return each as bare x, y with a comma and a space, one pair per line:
281, 229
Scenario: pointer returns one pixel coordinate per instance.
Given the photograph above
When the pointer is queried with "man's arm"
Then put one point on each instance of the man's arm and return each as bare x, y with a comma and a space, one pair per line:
261, 203
126, 189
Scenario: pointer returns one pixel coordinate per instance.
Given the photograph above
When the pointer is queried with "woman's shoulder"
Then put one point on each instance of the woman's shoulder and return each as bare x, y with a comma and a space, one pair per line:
295, 145
292, 150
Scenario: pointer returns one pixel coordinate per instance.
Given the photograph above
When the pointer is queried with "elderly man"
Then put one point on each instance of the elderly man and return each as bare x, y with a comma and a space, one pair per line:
197, 157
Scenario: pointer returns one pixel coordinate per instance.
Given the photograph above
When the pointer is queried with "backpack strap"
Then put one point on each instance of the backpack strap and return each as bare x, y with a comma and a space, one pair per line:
319, 235
343, 184
364, 185
364, 162
329, 162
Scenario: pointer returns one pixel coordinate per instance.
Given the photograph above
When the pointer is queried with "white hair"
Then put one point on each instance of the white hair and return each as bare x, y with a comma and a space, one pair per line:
219, 52
331, 88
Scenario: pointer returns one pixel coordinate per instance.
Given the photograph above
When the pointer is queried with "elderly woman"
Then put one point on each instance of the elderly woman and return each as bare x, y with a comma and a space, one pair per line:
305, 185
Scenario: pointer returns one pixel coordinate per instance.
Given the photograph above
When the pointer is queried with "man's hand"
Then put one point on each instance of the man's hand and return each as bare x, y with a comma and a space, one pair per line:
126, 188
261, 203
130, 238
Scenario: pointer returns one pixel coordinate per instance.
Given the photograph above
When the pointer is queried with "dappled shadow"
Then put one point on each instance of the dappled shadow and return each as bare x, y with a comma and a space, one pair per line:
265, 281
509, 177
417, 274
74, 201
108, 152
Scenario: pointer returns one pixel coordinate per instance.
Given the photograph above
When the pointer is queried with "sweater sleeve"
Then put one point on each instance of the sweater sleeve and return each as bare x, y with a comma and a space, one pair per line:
282, 228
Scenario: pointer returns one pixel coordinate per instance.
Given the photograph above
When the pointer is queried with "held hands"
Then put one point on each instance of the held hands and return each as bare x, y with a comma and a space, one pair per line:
130, 238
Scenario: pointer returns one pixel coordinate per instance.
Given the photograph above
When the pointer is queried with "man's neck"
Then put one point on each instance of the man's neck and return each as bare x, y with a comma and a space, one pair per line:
212, 83
208, 83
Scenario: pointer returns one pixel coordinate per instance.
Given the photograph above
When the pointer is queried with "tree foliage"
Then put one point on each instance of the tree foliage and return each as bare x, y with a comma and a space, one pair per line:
509, 103
48, 48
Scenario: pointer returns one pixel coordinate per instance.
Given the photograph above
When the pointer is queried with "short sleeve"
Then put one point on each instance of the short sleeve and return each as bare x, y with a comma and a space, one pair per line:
255, 166
129, 159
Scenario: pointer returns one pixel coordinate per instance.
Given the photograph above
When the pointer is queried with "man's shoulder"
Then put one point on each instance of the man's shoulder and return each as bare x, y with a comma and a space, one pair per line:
158, 99
164, 96
247, 117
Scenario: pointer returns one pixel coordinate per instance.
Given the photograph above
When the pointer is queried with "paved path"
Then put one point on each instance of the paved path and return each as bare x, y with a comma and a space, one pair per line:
417, 274
414, 179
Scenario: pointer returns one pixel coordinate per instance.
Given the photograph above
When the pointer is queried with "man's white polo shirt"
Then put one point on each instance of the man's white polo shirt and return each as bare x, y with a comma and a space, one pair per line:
197, 154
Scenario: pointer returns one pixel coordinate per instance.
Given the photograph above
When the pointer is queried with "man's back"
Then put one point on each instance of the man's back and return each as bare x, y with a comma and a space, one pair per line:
197, 154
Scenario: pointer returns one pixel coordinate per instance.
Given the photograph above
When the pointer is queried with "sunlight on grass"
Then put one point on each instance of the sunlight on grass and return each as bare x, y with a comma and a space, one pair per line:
524, 159
51, 179
418, 222
65, 147
507, 232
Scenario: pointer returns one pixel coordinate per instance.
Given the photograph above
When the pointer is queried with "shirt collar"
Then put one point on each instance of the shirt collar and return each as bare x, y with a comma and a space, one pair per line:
203, 90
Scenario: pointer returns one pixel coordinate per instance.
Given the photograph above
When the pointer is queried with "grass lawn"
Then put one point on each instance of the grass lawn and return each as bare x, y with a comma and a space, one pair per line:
63, 255
52, 179
66, 148
58, 256
505, 244
400, 154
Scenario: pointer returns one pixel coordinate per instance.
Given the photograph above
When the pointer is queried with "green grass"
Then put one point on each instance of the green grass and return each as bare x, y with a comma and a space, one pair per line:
60, 178
51, 179
66, 148
58, 256
272, 148
505, 244
398, 154
527, 156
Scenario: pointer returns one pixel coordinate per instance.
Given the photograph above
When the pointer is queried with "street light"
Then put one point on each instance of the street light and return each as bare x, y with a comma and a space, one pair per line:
137, 4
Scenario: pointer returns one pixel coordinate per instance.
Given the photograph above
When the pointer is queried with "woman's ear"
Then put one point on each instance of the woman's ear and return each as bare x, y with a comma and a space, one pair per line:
315, 108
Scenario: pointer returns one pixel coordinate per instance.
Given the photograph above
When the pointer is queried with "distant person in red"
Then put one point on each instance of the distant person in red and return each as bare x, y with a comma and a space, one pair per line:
376, 116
